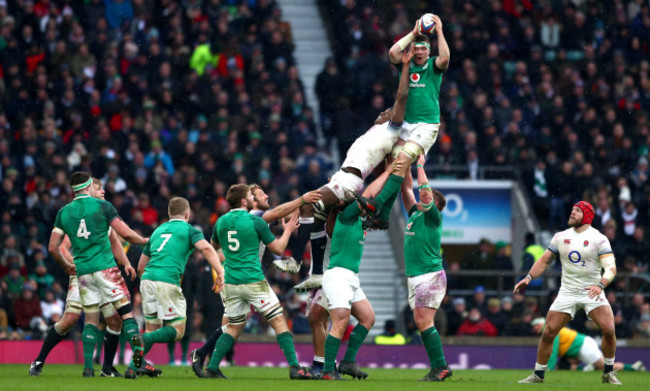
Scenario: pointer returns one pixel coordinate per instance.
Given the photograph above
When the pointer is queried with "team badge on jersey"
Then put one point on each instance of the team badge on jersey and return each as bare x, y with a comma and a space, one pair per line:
586, 243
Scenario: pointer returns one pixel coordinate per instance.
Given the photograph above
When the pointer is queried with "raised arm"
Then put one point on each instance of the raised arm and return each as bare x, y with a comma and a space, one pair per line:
442, 61
423, 181
537, 270
287, 208
278, 245
399, 108
395, 52
408, 197
127, 233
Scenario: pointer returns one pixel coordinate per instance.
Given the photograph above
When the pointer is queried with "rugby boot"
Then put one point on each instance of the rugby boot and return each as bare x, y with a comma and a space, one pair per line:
197, 362
531, 379
287, 265
214, 374
314, 281
35, 368
438, 374
351, 368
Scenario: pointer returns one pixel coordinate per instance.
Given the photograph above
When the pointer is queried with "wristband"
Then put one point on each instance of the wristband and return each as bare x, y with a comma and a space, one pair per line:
601, 286
425, 186
302, 200
529, 277
420, 166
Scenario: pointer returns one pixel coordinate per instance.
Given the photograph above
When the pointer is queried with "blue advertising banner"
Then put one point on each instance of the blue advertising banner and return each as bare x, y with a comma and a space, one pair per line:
475, 210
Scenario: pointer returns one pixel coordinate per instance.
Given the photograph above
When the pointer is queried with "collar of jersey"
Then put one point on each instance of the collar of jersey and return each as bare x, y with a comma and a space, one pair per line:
82, 196
176, 220
238, 210
417, 67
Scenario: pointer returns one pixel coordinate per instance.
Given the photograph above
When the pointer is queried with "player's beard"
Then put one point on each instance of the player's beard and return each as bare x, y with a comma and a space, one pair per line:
573, 223
261, 205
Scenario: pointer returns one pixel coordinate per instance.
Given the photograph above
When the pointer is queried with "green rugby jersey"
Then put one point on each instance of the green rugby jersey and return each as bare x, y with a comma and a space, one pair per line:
348, 239
239, 234
423, 104
86, 221
169, 247
422, 242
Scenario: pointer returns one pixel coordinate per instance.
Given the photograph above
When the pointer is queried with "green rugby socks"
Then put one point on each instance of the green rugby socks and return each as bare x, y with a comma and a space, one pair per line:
357, 337
285, 340
89, 340
332, 345
433, 346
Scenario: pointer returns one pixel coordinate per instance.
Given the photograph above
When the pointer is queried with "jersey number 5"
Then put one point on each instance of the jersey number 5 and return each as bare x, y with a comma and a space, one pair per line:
82, 231
233, 243
166, 238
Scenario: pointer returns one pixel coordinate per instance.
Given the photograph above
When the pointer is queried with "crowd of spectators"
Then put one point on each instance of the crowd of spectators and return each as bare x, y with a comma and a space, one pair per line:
156, 98
163, 97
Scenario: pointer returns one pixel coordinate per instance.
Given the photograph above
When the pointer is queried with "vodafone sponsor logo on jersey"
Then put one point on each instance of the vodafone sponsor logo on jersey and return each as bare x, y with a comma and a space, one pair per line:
415, 78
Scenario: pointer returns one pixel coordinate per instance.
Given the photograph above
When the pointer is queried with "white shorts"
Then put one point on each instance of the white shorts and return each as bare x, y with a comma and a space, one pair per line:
317, 297
104, 286
238, 299
421, 133
427, 290
571, 302
341, 287
164, 299
589, 352
345, 185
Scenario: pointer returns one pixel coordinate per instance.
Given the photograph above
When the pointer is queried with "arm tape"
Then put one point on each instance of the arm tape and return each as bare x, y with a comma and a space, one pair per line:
608, 263
406, 41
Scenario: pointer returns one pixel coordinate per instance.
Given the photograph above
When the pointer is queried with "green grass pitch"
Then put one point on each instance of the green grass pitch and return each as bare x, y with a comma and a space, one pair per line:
68, 378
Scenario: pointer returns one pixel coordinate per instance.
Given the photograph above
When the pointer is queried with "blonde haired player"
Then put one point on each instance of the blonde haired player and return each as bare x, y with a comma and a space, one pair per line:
422, 116
583, 252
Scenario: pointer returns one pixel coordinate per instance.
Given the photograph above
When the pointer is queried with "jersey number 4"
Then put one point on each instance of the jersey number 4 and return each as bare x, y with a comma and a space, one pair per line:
233, 243
82, 231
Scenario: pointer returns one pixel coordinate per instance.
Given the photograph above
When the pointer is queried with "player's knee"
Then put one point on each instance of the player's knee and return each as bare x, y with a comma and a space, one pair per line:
423, 324
608, 330
396, 150
67, 322
306, 210
550, 333
180, 333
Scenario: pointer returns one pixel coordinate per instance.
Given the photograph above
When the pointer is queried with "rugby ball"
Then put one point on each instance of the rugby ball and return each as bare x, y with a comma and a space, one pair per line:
427, 24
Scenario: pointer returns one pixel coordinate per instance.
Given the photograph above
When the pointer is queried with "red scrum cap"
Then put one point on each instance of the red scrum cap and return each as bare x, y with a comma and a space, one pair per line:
587, 211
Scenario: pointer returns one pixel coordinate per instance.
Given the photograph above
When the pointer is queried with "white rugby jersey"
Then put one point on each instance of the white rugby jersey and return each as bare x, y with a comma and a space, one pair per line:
580, 257
259, 213
370, 149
